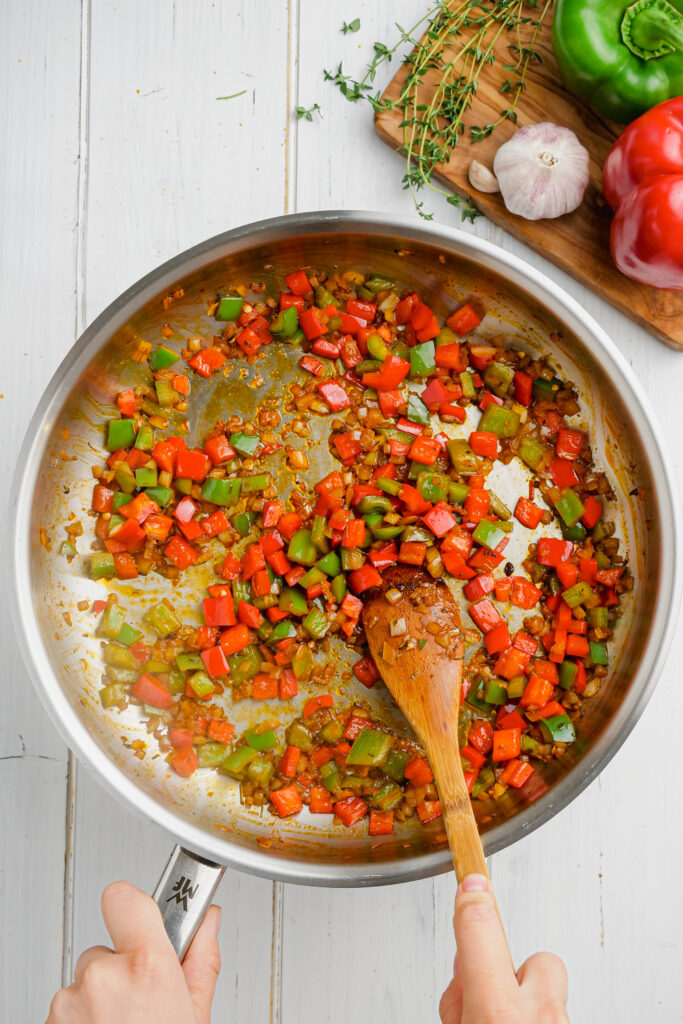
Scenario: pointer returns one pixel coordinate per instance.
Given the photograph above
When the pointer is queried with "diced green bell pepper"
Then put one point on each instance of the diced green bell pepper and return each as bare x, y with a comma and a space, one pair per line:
200, 684
457, 492
285, 323
576, 533
254, 484
388, 485
261, 770
569, 506
377, 347
229, 306
319, 534
221, 491
332, 731
243, 522
516, 687
417, 410
210, 755
463, 459
316, 624
499, 420
298, 735
370, 747
374, 503
598, 618
237, 762
302, 661
120, 434
146, 476
102, 565
189, 662
330, 563
166, 393
111, 622
567, 672
546, 390
377, 284
488, 534
115, 654
576, 595
162, 620
496, 692
352, 558
557, 729
485, 779
302, 549
293, 601
120, 498
598, 652
447, 337
422, 359
183, 484
338, 588
394, 764
162, 357
467, 384
331, 776
244, 664
281, 631
264, 740
387, 796
432, 486
145, 438
498, 378
245, 444
114, 693
125, 478
530, 450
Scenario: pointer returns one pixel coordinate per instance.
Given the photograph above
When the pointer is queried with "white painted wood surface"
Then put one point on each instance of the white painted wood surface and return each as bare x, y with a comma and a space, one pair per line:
117, 155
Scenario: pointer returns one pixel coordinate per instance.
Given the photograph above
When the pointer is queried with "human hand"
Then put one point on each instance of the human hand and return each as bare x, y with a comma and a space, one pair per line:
141, 981
484, 989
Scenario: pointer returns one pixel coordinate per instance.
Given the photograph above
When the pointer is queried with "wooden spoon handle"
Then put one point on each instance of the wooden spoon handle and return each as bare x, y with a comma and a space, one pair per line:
461, 826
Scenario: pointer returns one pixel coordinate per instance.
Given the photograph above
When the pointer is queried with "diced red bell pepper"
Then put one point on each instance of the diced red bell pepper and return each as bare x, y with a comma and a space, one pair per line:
185, 762
404, 308
180, 553
264, 687
418, 772
448, 356
319, 800
231, 568
207, 361
288, 524
480, 736
479, 587
537, 692
384, 556
552, 551
286, 801
298, 283
312, 323
484, 443
430, 810
498, 639
158, 527
515, 773
458, 541
181, 739
425, 450
164, 454
125, 566
235, 638
348, 446
289, 685
510, 720
457, 566
413, 501
192, 464
206, 636
363, 579
569, 443
350, 810
126, 402
502, 590
326, 348
287, 299
464, 319
311, 364
253, 561
389, 376
475, 757
219, 611
507, 744
476, 504
528, 514
139, 508
335, 395
439, 519
524, 594
381, 823
522, 385
563, 473
289, 761
485, 615
608, 577
412, 552
214, 661
354, 534
102, 498
150, 690
593, 512
219, 449
220, 731
511, 663
365, 310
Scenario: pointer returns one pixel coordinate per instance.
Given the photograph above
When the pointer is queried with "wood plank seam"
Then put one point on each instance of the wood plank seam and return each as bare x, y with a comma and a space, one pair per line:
79, 325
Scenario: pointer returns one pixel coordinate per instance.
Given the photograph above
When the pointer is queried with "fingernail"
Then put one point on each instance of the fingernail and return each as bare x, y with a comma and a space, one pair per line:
475, 883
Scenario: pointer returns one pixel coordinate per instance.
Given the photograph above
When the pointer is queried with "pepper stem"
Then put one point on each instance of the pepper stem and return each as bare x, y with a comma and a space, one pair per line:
652, 28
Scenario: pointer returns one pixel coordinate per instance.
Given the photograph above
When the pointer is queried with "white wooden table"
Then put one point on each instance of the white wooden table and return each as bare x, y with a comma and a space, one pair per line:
116, 156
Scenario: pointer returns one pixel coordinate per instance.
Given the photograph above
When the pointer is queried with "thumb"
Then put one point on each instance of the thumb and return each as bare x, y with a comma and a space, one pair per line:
202, 963
133, 920
488, 977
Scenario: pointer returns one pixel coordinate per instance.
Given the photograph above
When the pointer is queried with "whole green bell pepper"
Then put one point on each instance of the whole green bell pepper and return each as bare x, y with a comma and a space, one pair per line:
625, 57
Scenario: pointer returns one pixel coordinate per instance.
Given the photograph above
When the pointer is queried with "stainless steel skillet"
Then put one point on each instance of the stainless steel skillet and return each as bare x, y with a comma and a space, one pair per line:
63, 658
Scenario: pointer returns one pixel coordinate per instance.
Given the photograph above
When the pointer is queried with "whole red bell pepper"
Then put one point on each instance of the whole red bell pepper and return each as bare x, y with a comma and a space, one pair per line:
643, 183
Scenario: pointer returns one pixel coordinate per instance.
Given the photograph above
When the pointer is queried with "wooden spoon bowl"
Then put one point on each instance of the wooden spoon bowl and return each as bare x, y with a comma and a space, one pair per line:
416, 641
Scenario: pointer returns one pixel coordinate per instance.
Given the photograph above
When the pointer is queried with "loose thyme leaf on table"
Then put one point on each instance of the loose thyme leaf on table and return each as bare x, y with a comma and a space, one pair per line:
352, 26
307, 113
458, 44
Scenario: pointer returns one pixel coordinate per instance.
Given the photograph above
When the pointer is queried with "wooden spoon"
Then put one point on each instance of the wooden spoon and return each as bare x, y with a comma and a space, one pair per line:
424, 679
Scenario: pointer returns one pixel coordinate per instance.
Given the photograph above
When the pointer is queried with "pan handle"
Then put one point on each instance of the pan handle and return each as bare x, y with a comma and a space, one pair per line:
184, 894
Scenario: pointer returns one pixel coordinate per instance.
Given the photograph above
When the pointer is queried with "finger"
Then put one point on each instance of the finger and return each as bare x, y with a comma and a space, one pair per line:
487, 975
88, 957
202, 964
133, 920
545, 973
66, 1008
450, 1007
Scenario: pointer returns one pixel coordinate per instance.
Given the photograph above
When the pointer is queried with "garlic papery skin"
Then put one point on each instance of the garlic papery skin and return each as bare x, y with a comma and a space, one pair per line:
543, 171
481, 178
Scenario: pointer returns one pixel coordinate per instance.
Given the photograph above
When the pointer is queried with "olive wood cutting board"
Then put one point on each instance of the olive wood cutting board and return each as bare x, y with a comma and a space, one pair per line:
577, 242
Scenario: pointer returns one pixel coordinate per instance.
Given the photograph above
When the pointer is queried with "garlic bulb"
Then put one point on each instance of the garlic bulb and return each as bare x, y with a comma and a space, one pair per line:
542, 171
482, 178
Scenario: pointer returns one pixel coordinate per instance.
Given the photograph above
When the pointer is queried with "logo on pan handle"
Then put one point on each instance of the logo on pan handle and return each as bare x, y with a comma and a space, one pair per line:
182, 892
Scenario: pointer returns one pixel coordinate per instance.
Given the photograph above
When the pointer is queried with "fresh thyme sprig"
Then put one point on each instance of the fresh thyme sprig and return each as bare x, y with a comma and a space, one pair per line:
458, 44
307, 113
